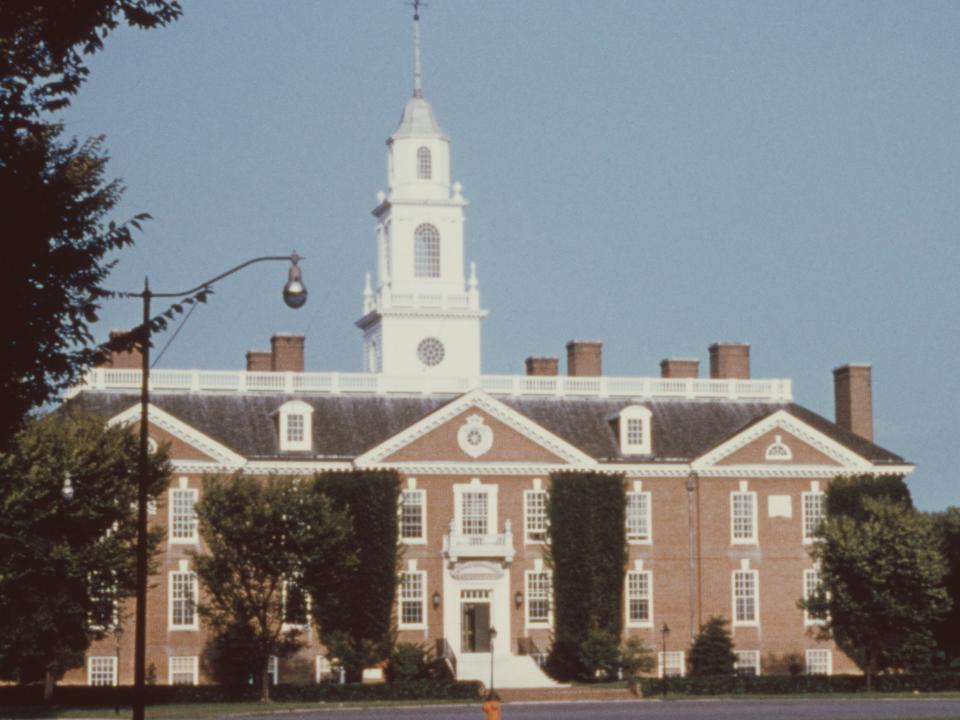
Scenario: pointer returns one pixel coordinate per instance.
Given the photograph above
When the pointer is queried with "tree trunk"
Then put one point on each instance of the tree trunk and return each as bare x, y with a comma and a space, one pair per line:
869, 665
265, 683
49, 682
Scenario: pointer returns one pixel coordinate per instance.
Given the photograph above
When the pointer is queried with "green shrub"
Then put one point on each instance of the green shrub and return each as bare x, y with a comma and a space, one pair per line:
712, 650
408, 662
599, 656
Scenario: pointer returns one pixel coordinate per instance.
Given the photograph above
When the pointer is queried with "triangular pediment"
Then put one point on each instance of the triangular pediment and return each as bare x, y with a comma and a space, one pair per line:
475, 428
779, 442
185, 443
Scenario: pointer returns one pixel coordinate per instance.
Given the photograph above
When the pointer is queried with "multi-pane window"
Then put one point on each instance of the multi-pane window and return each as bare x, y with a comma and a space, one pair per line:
539, 592
745, 597
273, 670
635, 431
183, 600
811, 586
296, 603
475, 509
183, 670
638, 516
424, 164
812, 513
426, 251
748, 662
412, 506
535, 516
295, 427
639, 595
671, 664
324, 668
412, 594
102, 671
635, 424
819, 662
743, 513
103, 599
183, 518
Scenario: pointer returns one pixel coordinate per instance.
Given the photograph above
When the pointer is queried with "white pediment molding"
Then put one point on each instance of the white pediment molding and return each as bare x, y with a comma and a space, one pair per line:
477, 570
220, 455
847, 460
475, 399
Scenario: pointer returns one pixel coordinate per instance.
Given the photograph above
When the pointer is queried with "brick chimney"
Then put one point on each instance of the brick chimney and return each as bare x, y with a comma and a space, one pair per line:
259, 361
679, 368
583, 358
126, 360
853, 398
287, 353
543, 366
730, 361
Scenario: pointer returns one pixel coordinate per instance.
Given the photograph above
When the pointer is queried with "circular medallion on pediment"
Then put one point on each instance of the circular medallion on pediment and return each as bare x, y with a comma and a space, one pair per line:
475, 438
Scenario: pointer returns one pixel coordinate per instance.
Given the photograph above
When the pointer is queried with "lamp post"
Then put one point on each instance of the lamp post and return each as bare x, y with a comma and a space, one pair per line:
493, 636
294, 295
117, 634
664, 631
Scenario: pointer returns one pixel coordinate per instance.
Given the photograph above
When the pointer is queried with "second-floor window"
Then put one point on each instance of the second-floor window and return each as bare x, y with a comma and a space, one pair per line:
183, 600
811, 586
296, 602
535, 516
812, 514
412, 595
475, 513
426, 251
638, 516
412, 506
539, 592
743, 516
183, 519
745, 597
639, 586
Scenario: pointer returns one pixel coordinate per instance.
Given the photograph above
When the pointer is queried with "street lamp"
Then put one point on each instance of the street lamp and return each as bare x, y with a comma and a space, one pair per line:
664, 631
67, 490
493, 636
294, 295
117, 634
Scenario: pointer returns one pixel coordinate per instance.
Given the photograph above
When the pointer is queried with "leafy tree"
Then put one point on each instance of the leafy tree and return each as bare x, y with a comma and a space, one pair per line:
353, 609
947, 631
56, 196
712, 649
261, 535
847, 494
599, 655
881, 581
636, 659
65, 565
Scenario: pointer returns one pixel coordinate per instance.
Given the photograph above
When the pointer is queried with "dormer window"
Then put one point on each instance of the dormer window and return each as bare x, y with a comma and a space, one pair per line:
424, 164
295, 426
635, 426
778, 451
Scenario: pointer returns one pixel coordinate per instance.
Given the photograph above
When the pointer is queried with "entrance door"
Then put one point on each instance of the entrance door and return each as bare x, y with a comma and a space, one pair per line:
475, 625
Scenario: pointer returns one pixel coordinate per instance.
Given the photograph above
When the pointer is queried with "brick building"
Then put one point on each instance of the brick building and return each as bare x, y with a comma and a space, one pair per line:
724, 474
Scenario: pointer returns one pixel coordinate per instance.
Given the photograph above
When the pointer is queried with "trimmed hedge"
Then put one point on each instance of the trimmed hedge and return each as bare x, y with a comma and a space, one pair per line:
83, 696
800, 684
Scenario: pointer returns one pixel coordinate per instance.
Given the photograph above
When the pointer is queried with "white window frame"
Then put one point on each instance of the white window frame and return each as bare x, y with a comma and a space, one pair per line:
424, 163
529, 528
818, 652
778, 451
754, 576
426, 254
671, 655
108, 660
627, 446
193, 538
529, 597
194, 669
306, 606
110, 593
273, 669
473, 487
172, 601
401, 601
628, 596
747, 658
323, 667
291, 408
635, 538
422, 494
808, 586
752, 538
809, 533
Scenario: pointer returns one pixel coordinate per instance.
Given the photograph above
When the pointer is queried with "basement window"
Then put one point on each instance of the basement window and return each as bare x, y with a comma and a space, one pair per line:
635, 435
295, 426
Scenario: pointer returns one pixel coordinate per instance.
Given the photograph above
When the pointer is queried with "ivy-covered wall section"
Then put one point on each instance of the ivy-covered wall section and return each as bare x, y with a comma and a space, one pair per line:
354, 611
587, 552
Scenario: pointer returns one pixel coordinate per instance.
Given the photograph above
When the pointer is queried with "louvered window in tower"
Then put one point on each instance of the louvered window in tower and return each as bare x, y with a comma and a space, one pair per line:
426, 251
424, 164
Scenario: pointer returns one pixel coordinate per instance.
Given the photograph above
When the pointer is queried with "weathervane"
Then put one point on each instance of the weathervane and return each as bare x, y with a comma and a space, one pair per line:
417, 80
416, 5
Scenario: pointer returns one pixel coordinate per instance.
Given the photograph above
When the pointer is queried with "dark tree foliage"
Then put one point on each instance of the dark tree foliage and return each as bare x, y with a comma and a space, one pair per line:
847, 494
587, 551
354, 610
712, 649
947, 632
56, 197
261, 537
65, 565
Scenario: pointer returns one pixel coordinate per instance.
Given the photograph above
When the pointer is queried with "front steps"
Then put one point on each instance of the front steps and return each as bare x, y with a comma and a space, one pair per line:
510, 671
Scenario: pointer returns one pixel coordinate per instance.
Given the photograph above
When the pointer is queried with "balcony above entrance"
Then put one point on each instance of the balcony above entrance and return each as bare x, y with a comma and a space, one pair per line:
457, 546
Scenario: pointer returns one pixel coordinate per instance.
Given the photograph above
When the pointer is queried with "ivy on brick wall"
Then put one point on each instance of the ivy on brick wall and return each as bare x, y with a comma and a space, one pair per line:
587, 551
353, 609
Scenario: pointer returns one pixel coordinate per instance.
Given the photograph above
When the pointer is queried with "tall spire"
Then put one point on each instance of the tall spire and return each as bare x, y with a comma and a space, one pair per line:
417, 74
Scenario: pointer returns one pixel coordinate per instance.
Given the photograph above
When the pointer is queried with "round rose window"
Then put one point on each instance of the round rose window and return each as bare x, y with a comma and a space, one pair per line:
430, 351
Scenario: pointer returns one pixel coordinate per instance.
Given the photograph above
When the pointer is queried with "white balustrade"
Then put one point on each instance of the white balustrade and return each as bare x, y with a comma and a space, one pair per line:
458, 545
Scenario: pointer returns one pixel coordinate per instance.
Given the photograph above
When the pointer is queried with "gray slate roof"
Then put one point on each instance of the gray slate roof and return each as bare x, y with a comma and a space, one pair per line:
346, 426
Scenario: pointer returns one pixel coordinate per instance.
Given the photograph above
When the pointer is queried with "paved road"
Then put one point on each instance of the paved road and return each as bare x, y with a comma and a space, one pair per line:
657, 710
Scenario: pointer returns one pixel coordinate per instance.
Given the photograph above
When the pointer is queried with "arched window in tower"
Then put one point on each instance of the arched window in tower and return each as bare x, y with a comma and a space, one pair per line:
426, 251
424, 164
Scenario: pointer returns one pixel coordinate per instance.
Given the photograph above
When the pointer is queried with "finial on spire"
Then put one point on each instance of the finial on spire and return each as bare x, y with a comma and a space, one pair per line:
417, 79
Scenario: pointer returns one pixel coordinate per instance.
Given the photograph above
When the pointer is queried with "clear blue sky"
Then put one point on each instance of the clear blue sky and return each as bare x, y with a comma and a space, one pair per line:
658, 176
